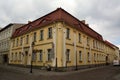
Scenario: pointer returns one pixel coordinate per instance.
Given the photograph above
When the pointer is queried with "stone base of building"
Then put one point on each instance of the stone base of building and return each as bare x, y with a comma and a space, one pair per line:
60, 69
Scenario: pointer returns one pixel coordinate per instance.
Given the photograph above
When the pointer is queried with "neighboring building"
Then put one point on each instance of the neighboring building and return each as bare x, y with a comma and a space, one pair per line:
0, 28
112, 50
60, 40
5, 35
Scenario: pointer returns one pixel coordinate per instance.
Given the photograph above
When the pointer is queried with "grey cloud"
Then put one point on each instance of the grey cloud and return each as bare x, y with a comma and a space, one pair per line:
101, 15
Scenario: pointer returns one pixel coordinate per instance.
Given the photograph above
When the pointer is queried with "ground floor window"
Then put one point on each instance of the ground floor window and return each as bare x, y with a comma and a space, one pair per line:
33, 56
49, 55
94, 56
11, 56
88, 56
68, 55
80, 55
15, 56
40, 55
20, 56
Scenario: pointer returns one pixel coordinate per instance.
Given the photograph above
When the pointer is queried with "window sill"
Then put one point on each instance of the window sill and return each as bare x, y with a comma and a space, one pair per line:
40, 61
33, 60
49, 38
68, 61
68, 38
80, 61
49, 61
19, 60
41, 39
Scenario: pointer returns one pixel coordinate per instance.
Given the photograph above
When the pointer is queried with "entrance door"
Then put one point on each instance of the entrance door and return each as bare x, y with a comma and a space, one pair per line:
26, 58
5, 58
107, 61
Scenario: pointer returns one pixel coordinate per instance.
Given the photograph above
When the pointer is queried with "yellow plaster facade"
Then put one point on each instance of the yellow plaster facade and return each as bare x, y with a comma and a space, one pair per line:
61, 45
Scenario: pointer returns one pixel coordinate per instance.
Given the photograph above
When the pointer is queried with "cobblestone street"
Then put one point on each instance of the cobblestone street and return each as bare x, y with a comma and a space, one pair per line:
99, 73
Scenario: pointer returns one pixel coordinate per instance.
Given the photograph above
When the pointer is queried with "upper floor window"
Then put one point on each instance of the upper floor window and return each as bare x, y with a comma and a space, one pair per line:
88, 41
68, 55
41, 34
21, 41
13, 43
27, 39
34, 39
50, 32
93, 44
94, 56
96, 44
17, 42
79, 37
68, 33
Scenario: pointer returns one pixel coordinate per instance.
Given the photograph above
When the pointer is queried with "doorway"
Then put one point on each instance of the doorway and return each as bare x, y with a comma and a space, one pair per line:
5, 58
26, 58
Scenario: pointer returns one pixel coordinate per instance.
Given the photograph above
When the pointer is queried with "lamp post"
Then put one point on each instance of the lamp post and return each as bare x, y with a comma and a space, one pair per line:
56, 64
76, 62
31, 66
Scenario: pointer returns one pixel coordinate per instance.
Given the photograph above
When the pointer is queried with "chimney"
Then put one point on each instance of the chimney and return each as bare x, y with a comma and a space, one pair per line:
87, 25
29, 21
83, 21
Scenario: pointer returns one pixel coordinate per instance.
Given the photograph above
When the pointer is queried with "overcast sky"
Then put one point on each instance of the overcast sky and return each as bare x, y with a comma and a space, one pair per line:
102, 15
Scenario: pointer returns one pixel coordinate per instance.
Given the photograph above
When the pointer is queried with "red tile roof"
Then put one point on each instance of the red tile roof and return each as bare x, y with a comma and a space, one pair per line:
58, 15
110, 44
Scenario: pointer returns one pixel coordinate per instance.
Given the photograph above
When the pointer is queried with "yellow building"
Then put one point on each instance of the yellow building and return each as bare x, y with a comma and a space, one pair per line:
57, 39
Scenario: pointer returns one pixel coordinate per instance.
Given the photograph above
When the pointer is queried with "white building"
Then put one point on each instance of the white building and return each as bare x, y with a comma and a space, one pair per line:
5, 35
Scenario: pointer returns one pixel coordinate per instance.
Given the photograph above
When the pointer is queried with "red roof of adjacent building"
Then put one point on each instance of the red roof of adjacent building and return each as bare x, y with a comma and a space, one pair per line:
58, 15
110, 44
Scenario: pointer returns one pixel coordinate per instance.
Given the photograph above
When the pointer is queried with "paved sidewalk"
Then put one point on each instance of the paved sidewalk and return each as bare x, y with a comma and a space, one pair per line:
44, 72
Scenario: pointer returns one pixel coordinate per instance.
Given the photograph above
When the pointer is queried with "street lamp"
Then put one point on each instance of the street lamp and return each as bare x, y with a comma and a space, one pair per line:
31, 66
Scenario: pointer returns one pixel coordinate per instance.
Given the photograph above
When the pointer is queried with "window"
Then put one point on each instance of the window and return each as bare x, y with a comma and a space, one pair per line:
88, 57
94, 56
49, 54
88, 41
40, 55
68, 55
50, 32
16, 56
34, 37
17, 42
20, 55
13, 43
21, 40
33, 56
79, 37
96, 44
27, 38
93, 44
12, 56
80, 56
41, 34
68, 33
